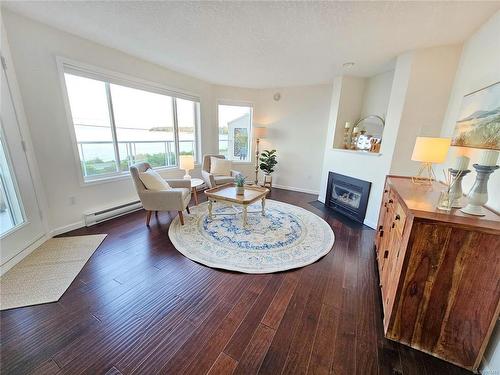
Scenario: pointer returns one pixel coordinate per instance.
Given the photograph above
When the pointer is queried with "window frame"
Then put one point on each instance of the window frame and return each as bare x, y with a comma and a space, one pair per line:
15, 191
238, 103
108, 77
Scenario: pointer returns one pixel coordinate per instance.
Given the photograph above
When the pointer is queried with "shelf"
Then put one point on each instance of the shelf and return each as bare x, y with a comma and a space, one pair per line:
358, 152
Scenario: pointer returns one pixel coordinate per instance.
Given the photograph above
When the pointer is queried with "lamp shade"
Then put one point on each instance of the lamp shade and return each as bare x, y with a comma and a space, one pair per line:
430, 150
260, 132
186, 162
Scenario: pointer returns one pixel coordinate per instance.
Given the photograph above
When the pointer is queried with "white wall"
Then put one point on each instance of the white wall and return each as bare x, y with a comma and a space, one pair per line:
296, 124
479, 67
297, 127
377, 94
376, 99
349, 108
430, 81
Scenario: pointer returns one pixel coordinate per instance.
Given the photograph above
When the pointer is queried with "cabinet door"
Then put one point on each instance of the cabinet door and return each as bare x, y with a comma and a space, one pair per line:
391, 274
384, 232
387, 256
382, 216
392, 254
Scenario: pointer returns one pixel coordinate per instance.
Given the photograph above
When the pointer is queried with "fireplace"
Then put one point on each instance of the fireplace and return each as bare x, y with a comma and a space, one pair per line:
347, 195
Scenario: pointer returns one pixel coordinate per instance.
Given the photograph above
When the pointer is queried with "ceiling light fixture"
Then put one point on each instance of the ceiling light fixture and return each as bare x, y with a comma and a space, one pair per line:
348, 65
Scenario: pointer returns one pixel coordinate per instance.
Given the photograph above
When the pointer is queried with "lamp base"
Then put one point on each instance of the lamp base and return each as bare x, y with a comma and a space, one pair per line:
256, 182
456, 187
473, 210
478, 195
187, 176
425, 175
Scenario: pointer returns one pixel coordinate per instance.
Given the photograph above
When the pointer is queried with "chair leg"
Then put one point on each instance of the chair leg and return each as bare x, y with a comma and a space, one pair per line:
148, 217
187, 209
181, 217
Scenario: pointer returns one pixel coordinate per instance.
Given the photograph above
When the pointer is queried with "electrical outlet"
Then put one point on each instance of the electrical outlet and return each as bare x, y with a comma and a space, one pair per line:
72, 200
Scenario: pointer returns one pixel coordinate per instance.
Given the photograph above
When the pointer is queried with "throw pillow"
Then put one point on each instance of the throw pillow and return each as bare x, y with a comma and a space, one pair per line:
220, 167
153, 181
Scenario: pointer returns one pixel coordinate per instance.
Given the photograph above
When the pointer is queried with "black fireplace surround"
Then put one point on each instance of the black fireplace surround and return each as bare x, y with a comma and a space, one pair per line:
347, 195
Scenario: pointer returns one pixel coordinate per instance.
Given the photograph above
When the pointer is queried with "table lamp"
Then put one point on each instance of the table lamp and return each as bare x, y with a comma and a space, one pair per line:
259, 132
186, 162
429, 150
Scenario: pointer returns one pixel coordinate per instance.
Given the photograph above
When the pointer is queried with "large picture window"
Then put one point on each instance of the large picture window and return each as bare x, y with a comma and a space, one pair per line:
235, 129
117, 126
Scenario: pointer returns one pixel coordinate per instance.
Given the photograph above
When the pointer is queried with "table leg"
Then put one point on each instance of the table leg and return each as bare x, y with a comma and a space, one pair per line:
244, 215
210, 209
264, 206
195, 193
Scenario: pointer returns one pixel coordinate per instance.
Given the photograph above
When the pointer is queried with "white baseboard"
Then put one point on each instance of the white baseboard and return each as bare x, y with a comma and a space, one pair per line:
300, 190
67, 228
23, 254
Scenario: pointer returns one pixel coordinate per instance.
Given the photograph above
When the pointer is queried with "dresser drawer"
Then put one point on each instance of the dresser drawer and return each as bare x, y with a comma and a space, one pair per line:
399, 219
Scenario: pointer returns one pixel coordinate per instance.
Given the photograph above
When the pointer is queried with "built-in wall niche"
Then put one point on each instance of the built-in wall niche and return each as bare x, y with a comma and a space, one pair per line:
365, 134
362, 109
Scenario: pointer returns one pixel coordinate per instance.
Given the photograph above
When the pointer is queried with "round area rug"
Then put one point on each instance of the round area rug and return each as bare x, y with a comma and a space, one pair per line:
286, 237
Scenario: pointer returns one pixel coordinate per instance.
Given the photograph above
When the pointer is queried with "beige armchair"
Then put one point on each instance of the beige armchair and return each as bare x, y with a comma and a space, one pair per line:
175, 199
211, 180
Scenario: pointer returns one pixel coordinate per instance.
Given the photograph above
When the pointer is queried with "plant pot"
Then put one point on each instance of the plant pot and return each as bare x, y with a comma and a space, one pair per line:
240, 190
268, 181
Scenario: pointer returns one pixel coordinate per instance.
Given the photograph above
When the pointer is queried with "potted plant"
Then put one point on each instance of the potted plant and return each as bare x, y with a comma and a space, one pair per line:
239, 180
267, 163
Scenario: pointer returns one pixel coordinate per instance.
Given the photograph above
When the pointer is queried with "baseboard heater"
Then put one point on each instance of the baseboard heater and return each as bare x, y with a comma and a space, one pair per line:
93, 218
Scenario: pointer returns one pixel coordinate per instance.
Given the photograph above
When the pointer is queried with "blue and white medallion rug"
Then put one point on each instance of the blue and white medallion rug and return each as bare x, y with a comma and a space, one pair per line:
286, 237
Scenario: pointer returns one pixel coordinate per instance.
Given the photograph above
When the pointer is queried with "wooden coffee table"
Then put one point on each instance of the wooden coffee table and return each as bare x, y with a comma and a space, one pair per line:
227, 193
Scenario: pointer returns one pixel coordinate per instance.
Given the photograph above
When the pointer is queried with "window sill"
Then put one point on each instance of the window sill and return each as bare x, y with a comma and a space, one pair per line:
121, 176
358, 152
241, 162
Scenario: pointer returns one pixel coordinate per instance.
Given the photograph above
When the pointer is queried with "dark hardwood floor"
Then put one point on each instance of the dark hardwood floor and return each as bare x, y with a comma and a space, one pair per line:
140, 307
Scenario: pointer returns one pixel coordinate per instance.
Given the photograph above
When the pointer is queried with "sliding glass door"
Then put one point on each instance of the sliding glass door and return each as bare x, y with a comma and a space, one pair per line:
11, 213
20, 217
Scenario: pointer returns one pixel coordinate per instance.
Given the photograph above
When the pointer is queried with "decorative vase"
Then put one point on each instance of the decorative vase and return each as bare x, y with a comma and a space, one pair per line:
445, 201
478, 195
240, 190
268, 181
456, 189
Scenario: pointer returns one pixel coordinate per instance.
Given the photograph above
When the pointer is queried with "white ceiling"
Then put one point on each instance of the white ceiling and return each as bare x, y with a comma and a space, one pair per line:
265, 44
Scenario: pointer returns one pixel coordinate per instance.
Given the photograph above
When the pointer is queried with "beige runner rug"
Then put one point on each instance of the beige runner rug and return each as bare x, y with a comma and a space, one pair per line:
45, 274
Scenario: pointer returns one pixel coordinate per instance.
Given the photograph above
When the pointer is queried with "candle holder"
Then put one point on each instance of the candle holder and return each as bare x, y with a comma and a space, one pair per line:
354, 140
347, 132
456, 192
478, 195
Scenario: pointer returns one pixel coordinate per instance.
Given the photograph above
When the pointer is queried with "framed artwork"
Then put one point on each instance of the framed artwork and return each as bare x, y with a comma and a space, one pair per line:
478, 124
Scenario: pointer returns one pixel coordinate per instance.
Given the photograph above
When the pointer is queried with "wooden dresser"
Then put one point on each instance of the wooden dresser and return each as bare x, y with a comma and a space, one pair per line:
439, 273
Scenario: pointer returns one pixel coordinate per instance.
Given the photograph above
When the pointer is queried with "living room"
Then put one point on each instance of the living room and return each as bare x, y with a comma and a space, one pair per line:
202, 187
